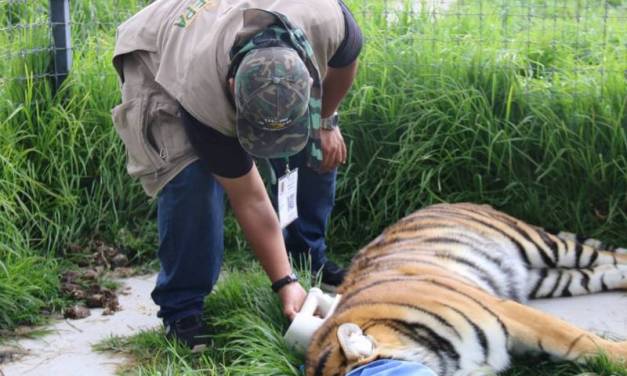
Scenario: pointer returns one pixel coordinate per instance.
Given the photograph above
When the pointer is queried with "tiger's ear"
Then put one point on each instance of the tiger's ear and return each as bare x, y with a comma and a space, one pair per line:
356, 345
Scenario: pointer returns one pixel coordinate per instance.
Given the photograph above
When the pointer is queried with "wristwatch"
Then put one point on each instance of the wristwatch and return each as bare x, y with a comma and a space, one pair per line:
280, 283
328, 123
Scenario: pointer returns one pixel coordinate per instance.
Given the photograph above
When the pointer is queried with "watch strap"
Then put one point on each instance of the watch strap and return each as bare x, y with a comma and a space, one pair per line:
281, 282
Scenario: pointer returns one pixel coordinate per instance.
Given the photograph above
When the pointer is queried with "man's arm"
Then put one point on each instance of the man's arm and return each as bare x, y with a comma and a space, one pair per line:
254, 213
336, 84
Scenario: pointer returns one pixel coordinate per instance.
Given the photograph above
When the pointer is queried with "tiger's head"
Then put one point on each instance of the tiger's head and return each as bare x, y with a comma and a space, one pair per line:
361, 334
378, 317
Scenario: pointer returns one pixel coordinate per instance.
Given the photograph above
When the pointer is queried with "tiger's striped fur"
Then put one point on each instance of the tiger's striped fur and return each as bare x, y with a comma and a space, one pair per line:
444, 287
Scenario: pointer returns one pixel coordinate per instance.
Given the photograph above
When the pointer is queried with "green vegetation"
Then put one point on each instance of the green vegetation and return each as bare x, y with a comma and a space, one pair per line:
62, 178
520, 104
524, 113
248, 325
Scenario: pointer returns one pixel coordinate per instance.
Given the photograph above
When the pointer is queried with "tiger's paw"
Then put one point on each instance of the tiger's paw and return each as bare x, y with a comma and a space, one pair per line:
356, 345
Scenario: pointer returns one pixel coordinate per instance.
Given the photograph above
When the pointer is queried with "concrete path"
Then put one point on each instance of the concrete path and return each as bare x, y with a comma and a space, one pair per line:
67, 349
604, 314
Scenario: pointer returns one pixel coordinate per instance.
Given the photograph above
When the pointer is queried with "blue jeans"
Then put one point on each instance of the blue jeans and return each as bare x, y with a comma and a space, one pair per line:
190, 217
304, 237
190, 221
391, 367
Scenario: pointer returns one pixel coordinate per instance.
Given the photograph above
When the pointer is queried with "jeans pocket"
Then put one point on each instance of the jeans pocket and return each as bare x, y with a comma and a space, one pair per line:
129, 119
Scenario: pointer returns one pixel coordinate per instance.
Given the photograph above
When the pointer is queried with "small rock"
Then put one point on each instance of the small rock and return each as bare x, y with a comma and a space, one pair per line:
125, 291
99, 259
113, 306
95, 301
90, 274
119, 260
78, 294
107, 312
123, 272
95, 288
69, 287
107, 250
76, 312
74, 248
69, 277
110, 300
83, 262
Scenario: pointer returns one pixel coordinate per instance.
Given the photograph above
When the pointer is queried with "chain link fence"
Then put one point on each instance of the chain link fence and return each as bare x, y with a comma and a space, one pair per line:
38, 38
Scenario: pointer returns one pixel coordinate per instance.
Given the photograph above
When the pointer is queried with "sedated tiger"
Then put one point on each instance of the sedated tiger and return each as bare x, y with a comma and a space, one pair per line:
444, 287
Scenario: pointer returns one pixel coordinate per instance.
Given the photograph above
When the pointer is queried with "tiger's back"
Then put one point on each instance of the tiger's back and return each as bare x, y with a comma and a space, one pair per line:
441, 285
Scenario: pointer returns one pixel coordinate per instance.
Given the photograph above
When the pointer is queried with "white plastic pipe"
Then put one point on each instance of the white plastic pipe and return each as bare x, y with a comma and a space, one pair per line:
305, 324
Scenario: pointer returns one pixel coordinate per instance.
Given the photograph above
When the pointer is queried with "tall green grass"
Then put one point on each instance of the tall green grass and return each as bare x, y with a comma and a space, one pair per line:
516, 104
62, 172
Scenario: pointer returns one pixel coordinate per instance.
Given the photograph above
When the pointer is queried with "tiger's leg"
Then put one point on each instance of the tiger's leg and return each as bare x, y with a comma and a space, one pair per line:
547, 283
534, 330
570, 253
595, 243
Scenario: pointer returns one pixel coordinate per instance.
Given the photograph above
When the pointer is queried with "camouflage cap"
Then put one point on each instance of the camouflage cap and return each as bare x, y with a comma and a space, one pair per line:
272, 94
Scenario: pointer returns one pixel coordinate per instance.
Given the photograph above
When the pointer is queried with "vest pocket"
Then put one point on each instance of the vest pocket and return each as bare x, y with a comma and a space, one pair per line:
131, 125
167, 131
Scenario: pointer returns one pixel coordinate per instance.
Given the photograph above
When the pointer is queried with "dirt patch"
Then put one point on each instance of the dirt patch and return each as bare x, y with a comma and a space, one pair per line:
98, 262
97, 253
85, 287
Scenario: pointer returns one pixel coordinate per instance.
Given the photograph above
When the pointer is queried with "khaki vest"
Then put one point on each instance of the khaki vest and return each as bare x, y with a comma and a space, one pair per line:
175, 50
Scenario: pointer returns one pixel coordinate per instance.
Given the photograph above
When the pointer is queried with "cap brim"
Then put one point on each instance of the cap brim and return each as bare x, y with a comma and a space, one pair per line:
276, 143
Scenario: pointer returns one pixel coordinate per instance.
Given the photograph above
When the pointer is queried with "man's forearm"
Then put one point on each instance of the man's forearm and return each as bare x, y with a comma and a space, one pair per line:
254, 213
262, 230
335, 85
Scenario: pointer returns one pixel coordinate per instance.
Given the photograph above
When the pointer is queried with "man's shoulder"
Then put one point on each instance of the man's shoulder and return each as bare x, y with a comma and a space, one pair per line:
141, 31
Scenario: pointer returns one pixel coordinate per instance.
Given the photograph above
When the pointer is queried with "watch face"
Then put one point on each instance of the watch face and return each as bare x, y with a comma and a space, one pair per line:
329, 122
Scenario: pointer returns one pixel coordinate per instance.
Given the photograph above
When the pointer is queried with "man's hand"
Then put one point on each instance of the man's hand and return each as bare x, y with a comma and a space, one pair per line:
292, 297
333, 149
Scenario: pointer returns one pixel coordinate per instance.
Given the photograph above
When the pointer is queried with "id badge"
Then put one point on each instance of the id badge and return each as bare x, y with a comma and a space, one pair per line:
288, 212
